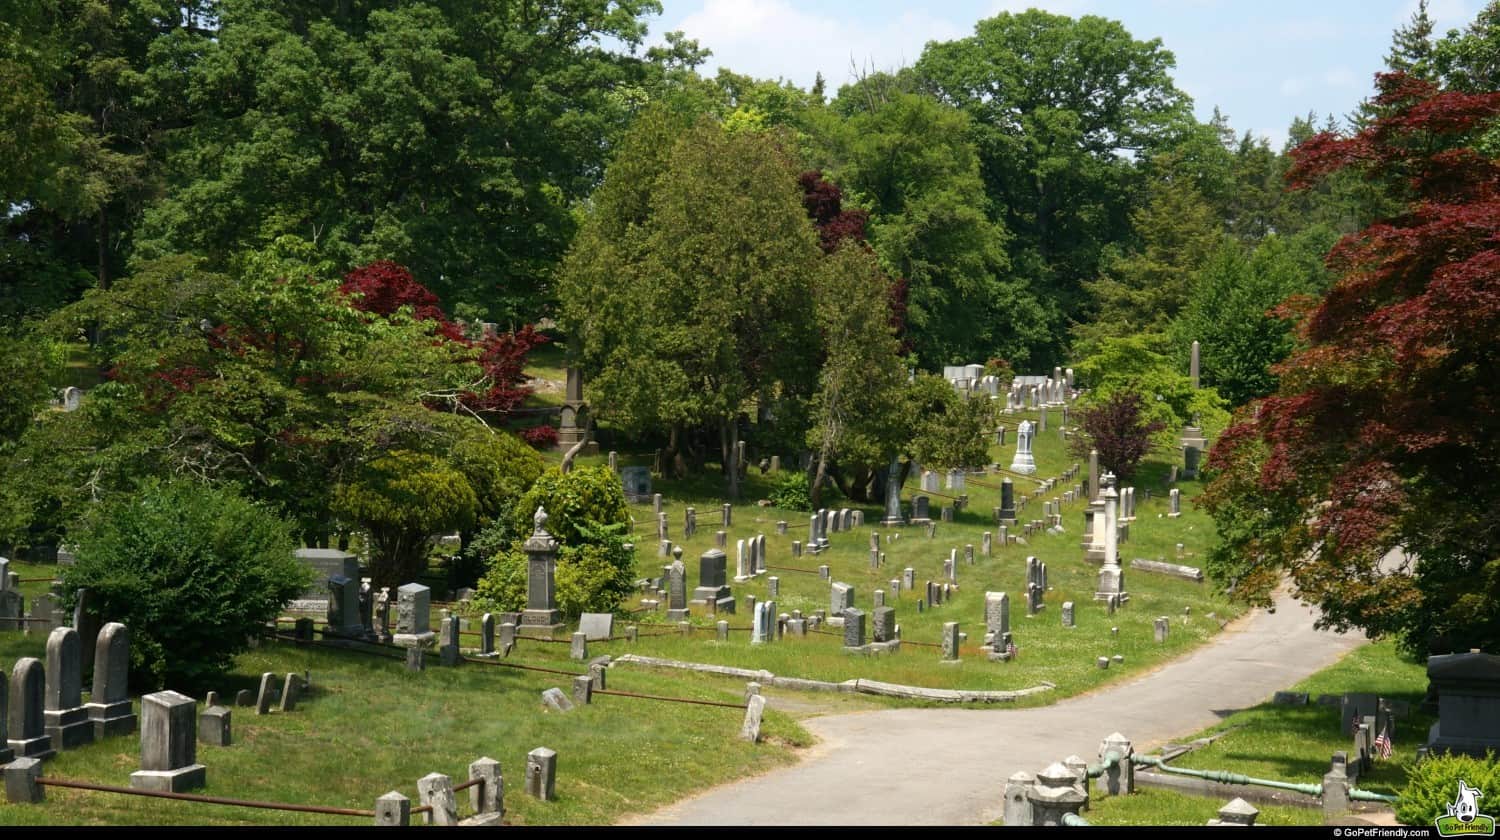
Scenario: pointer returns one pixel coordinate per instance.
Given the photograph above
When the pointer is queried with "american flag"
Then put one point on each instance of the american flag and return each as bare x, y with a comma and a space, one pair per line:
1010, 649
1383, 742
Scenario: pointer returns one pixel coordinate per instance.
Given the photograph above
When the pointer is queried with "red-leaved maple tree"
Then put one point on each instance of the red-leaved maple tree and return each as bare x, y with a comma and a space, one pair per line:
383, 287
1372, 476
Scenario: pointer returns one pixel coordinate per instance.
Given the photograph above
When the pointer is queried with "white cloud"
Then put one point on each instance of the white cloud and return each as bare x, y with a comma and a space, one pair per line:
772, 39
1340, 77
1292, 86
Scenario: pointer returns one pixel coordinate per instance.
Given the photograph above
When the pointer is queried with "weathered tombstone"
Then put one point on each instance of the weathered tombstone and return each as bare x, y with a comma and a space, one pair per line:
883, 624
28, 736
950, 640
553, 700
636, 482
1162, 627
263, 697
86, 622
841, 597
909, 578
169, 746
1007, 513
414, 615
1067, 614
66, 720
1023, 462
920, 510
214, 726
541, 773
1468, 690
1175, 500
854, 628
290, 689
597, 627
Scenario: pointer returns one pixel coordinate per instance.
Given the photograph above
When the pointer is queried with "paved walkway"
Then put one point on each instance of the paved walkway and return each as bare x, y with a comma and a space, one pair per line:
949, 766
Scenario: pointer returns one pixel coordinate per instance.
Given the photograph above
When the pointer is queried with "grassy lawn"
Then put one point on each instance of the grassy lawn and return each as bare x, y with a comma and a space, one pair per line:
369, 726
1153, 806
1294, 743
1047, 651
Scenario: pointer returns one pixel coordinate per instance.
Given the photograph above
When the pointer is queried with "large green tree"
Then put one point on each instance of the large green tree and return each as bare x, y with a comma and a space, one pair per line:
1058, 105
910, 162
687, 292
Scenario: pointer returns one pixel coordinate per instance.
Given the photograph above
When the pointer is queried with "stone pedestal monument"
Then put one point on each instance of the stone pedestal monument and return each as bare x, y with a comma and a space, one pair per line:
541, 616
574, 416
1024, 463
893, 495
1111, 576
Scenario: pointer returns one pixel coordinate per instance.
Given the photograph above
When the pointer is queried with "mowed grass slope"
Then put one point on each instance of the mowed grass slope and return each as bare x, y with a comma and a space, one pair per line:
1047, 651
369, 726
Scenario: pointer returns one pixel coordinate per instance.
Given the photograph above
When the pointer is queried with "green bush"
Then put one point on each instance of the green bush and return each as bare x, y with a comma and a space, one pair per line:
587, 514
1433, 784
402, 498
192, 570
792, 491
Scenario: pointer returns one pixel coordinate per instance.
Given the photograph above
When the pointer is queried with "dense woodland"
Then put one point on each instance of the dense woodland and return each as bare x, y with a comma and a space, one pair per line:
277, 227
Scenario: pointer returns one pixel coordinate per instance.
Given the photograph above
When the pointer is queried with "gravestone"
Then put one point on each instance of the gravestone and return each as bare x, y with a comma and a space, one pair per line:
109, 709
325, 563
414, 615
541, 616
264, 695
996, 613
883, 624
1023, 462
920, 510
1006, 514
676, 575
66, 720
28, 736
636, 482
343, 608
214, 726
169, 744
762, 629
1468, 690
854, 628
950, 640
1067, 614
841, 597
597, 627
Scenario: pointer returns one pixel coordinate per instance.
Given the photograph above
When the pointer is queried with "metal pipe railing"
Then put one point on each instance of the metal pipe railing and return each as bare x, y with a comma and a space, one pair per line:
1228, 778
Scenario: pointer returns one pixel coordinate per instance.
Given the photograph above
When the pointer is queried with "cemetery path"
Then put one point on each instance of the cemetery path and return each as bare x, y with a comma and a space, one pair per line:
949, 766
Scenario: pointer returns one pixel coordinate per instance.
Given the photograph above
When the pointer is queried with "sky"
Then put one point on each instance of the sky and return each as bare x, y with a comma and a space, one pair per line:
1262, 63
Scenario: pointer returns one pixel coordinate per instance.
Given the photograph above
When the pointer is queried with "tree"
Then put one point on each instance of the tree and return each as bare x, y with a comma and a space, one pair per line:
1378, 436
1231, 312
1143, 364
1116, 426
686, 291
266, 378
1470, 60
1412, 46
909, 162
946, 429
855, 411
1055, 103
451, 138
1143, 289
194, 571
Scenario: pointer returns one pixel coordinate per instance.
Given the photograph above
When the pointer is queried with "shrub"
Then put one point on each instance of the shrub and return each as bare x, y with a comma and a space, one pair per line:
192, 570
792, 491
402, 498
1432, 785
541, 437
587, 514
1118, 428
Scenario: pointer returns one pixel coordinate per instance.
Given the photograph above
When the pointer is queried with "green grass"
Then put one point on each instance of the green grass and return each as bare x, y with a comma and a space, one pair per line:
547, 362
1048, 652
1153, 806
1295, 743
369, 726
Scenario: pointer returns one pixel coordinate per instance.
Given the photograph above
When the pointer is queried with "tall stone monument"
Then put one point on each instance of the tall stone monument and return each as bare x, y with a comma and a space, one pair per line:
541, 616
893, 495
574, 417
1024, 463
1111, 576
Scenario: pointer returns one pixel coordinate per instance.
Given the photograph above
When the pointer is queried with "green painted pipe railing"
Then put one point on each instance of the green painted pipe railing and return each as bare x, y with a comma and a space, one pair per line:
1111, 758
1371, 796
1226, 777
1073, 819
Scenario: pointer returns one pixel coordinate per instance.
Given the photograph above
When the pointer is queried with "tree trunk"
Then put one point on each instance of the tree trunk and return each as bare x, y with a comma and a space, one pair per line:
815, 485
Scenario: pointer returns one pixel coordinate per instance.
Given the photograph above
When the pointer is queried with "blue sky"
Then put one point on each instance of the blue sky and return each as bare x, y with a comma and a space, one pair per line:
1261, 62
